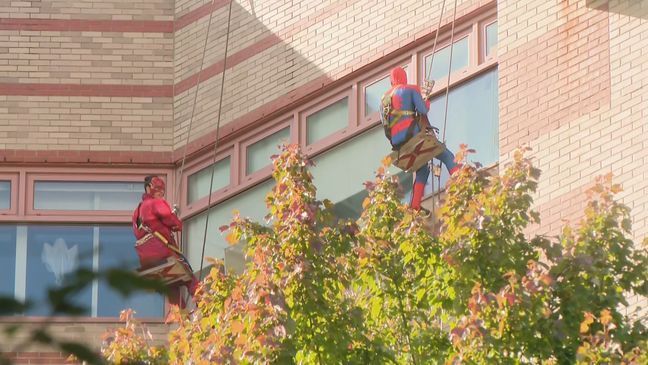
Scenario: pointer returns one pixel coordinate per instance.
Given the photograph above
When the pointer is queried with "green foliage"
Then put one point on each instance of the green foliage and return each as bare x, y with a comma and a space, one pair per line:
318, 290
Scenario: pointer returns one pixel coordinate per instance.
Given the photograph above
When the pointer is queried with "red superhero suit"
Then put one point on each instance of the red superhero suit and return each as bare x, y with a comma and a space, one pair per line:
153, 225
406, 104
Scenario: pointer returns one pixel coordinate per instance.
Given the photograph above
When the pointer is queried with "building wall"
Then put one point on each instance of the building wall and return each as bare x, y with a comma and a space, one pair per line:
280, 51
88, 333
573, 81
91, 76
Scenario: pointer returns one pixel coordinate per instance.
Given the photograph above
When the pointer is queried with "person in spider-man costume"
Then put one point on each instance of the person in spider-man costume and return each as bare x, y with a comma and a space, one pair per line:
407, 105
153, 225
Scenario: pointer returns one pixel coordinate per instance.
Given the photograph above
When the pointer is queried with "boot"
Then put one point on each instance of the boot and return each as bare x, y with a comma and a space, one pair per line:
417, 195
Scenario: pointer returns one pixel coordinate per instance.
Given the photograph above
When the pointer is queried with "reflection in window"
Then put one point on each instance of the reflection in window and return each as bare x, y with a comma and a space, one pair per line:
198, 184
472, 119
356, 162
258, 153
491, 38
116, 251
7, 260
327, 121
5, 195
460, 60
75, 195
53, 255
249, 204
375, 91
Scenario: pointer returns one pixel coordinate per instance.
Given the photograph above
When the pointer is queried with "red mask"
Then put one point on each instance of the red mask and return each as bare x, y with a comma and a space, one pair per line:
157, 185
398, 76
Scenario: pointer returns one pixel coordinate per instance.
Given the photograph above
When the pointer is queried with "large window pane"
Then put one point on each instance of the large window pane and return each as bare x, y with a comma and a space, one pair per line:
70, 195
250, 203
327, 121
374, 92
472, 118
460, 59
116, 251
258, 153
5, 194
53, 255
199, 182
491, 38
353, 162
7, 260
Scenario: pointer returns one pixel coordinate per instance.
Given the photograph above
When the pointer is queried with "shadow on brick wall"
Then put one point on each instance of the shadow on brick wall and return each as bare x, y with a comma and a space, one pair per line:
632, 8
265, 72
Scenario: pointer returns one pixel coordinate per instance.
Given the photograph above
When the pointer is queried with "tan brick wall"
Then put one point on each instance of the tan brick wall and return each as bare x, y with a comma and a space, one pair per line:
315, 39
573, 81
585, 116
88, 9
90, 334
66, 44
86, 57
85, 123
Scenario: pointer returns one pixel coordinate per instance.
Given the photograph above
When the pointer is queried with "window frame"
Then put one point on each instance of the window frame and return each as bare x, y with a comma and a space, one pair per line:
86, 216
257, 137
201, 164
14, 188
376, 77
484, 56
318, 105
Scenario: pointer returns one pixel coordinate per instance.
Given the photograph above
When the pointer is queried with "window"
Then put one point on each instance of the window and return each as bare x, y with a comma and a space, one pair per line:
81, 195
41, 257
249, 204
327, 121
198, 183
472, 118
374, 92
491, 38
258, 153
7, 260
53, 254
460, 60
5, 195
116, 251
353, 162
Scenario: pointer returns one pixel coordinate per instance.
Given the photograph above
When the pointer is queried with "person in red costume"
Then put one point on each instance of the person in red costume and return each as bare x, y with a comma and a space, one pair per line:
153, 225
407, 113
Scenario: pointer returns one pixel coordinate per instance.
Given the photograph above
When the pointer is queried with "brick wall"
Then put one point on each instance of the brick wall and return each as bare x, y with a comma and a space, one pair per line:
86, 75
88, 333
277, 47
573, 81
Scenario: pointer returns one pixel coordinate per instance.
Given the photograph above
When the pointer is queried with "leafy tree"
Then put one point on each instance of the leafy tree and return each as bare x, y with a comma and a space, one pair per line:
383, 289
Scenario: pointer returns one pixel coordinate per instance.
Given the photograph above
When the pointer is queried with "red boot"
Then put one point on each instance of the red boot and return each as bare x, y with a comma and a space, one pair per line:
417, 195
455, 169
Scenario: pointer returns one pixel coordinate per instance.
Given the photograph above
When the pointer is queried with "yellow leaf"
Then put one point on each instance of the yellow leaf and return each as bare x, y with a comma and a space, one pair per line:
584, 326
231, 239
606, 317
387, 160
365, 203
237, 327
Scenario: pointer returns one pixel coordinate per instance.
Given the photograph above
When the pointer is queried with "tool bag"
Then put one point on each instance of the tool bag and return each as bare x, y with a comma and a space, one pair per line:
417, 151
